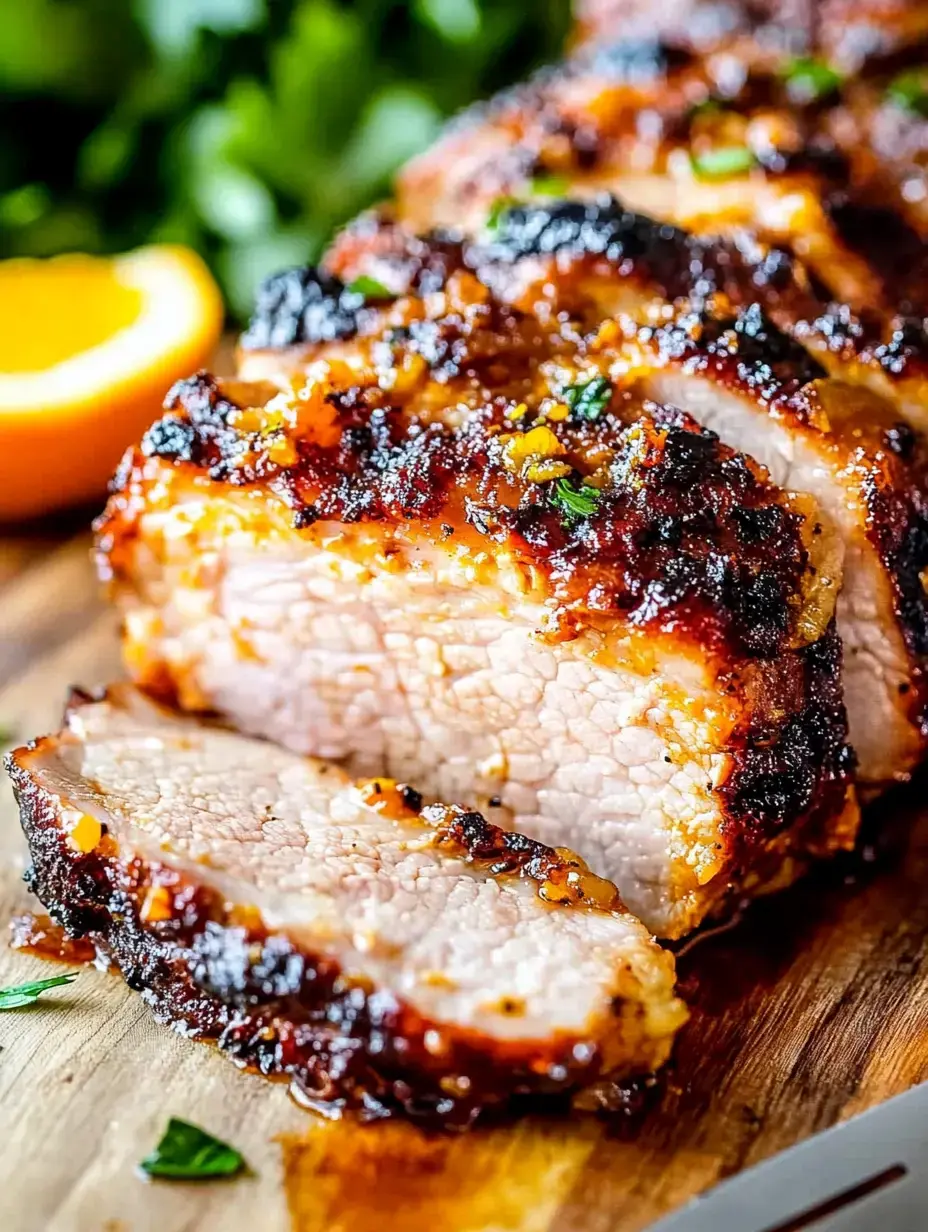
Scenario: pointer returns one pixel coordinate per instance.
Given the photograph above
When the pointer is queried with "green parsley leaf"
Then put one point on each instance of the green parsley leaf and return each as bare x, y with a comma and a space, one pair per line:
808, 80
497, 210
720, 163
26, 994
550, 186
370, 288
575, 502
705, 107
910, 91
188, 1153
588, 399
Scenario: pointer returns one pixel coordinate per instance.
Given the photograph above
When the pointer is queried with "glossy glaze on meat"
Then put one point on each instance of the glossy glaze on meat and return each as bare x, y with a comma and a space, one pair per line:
382, 955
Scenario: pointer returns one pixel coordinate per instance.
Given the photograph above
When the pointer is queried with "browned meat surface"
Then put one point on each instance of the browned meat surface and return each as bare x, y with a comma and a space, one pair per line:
709, 122
450, 551
847, 33
382, 955
695, 322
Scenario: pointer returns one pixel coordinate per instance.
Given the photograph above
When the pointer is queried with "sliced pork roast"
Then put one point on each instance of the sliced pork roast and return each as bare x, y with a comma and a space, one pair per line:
695, 322
700, 337
446, 553
381, 954
714, 124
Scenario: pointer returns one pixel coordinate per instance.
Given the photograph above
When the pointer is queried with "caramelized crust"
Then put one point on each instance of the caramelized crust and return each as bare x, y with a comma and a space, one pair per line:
715, 125
678, 529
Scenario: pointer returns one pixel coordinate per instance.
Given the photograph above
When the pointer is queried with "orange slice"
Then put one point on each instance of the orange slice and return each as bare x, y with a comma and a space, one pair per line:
88, 348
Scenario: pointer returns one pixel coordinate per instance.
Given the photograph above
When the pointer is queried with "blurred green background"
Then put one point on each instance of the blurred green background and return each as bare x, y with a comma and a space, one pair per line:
248, 129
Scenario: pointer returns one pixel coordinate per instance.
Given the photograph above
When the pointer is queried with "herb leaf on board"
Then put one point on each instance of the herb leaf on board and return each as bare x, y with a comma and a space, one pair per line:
25, 994
188, 1153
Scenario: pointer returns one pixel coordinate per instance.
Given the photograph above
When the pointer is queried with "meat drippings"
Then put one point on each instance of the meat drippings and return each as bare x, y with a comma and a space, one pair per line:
36, 933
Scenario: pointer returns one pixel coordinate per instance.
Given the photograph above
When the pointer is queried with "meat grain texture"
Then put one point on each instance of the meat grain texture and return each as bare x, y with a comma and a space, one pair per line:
380, 953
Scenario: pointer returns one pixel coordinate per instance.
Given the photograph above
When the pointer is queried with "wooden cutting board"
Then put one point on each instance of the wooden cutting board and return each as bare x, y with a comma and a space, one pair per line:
813, 1008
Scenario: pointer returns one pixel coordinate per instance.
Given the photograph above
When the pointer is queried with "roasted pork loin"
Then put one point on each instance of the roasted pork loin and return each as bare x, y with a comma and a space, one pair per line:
711, 325
451, 553
381, 954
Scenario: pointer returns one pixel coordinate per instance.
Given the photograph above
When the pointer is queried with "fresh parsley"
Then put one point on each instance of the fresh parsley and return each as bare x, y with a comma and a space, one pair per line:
26, 994
188, 1153
370, 288
550, 186
910, 91
808, 80
496, 212
588, 399
722, 162
575, 502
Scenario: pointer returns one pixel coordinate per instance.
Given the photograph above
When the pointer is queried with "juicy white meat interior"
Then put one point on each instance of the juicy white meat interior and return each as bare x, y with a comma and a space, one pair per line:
418, 671
294, 838
877, 667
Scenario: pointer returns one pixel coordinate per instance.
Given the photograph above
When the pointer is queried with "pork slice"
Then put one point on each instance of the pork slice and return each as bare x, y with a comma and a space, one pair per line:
405, 564
673, 317
715, 141
382, 954
694, 322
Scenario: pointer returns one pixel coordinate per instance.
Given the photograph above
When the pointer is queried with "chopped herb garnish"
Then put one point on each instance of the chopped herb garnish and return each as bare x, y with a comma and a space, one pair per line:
26, 994
705, 107
188, 1153
575, 502
588, 399
550, 186
370, 288
808, 80
497, 210
722, 162
910, 90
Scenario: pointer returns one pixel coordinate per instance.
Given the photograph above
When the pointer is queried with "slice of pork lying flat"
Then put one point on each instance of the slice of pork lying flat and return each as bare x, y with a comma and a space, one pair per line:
598, 621
381, 954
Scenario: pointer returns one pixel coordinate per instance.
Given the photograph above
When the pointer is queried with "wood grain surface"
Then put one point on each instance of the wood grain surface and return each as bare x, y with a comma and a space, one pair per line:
814, 1007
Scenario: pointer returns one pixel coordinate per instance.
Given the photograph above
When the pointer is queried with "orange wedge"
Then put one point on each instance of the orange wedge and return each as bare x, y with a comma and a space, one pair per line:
88, 348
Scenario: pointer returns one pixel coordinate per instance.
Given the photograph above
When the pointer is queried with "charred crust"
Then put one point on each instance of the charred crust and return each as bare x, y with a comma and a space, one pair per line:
680, 264
196, 427
684, 528
501, 851
905, 350
273, 1006
303, 305
792, 767
897, 525
411, 264
746, 351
